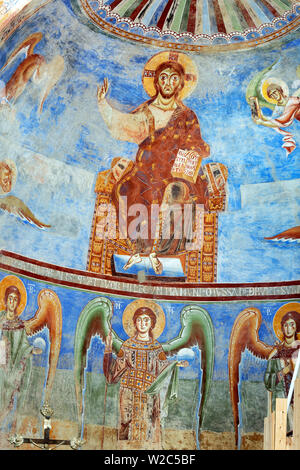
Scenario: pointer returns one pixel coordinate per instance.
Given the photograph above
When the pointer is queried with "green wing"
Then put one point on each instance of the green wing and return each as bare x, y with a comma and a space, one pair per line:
95, 319
254, 88
197, 329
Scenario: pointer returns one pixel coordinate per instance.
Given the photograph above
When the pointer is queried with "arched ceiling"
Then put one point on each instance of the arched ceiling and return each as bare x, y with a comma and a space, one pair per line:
14, 12
9, 8
195, 24
190, 25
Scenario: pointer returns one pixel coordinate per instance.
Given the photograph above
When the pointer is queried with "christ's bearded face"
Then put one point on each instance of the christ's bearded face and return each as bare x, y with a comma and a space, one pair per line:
168, 82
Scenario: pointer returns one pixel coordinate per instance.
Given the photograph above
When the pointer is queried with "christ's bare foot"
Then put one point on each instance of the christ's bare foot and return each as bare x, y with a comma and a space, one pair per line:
133, 260
156, 264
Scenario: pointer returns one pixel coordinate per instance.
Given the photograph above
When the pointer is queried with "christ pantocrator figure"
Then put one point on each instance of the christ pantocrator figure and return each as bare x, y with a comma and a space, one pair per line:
160, 127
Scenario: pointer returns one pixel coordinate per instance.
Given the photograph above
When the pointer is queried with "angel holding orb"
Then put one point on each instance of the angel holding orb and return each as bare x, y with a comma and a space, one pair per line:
15, 349
142, 365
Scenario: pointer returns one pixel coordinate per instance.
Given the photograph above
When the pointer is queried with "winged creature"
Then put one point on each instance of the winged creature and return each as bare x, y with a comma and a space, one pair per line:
245, 335
16, 207
33, 66
95, 320
12, 204
15, 370
290, 235
48, 315
264, 91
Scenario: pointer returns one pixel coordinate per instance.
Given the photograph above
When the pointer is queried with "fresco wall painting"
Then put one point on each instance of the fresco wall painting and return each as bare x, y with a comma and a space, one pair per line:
149, 275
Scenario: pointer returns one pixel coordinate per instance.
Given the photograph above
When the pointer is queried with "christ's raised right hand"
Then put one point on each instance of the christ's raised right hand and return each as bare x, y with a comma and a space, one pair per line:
102, 91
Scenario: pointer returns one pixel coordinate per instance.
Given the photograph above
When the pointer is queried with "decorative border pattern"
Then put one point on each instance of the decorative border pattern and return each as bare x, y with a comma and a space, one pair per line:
126, 28
109, 285
12, 23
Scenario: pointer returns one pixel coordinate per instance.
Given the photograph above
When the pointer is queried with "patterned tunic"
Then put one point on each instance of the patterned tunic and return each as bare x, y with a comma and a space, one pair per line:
16, 368
146, 183
137, 365
281, 357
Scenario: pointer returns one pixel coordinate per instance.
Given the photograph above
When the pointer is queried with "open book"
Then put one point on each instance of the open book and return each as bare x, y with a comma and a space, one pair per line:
186, 165
255, 109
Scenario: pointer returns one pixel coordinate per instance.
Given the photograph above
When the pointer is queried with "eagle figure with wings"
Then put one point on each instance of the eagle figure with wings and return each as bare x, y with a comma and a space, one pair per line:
290, 235
33, 66
12, 204
281, 356
265, 91
15, 349
142, 365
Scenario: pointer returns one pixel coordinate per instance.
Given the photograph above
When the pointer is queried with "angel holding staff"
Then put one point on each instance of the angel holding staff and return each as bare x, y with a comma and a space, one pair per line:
139, 364
142, 365
16, 351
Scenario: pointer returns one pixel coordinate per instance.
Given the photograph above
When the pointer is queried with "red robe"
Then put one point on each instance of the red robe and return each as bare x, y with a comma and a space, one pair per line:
291, 112
146, 183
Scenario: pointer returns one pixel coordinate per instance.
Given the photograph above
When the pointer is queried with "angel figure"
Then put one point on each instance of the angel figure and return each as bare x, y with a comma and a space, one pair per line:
33, 66
142, 365
281, 357
272, 92
15, 349
12, 204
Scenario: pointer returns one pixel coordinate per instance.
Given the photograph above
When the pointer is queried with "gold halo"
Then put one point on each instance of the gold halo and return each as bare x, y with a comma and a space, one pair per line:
130, 311
190, 78
273, 81
11, 164
291, 306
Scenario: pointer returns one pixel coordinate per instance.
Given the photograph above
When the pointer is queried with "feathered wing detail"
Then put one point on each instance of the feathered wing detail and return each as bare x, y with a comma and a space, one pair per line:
197, 330
48, 75
48, 315
33, 66
16, 207
26, 47
292, 234
244, 335
254, 88
95, 319
28, 68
